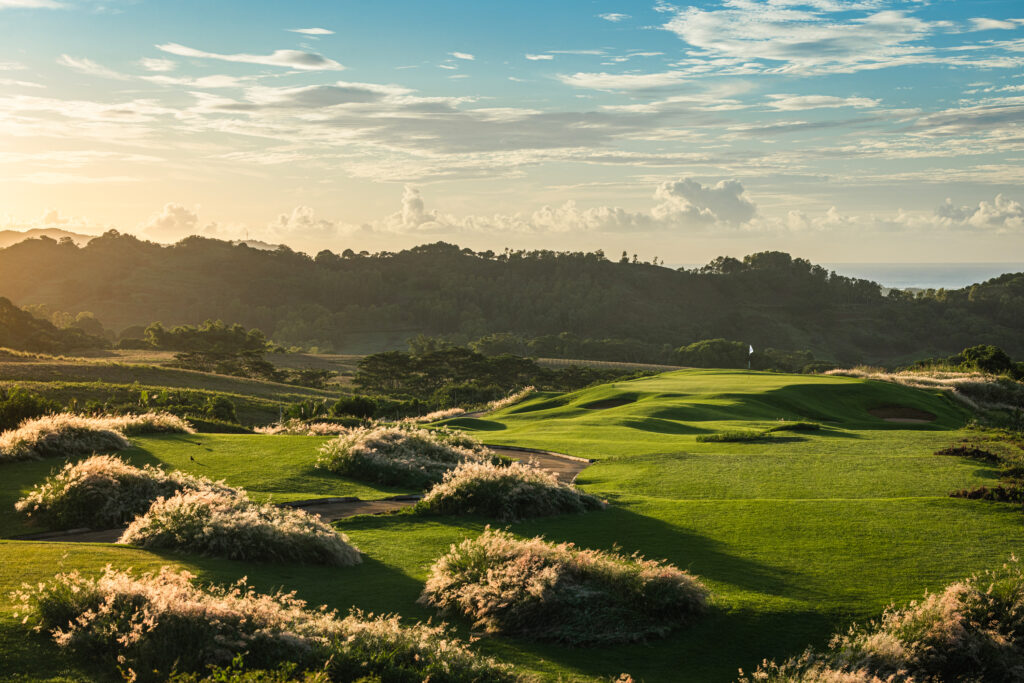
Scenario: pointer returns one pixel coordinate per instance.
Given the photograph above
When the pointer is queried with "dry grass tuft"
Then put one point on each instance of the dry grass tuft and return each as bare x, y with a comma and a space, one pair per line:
971, 631
402, 455
103, 492
228, 524
546, 591
976, 390
153, 623
511, 399
68, 435
506, 493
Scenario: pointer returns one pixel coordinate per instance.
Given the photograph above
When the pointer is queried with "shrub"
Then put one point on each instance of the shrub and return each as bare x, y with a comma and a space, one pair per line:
1010, 493
795, 427
67, 434
736, 435
18, 405
156, 622
104, 492
971, 631
969, 452
507, 493
402, 455
228, 524
548, 591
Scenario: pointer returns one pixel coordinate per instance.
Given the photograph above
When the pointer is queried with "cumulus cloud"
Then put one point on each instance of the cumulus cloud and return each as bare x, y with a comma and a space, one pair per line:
172, 223
303, 224
1001, 215
686, 200
87, 66
292, 59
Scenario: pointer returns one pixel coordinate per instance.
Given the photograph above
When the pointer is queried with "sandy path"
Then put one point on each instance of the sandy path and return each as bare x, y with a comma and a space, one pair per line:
565, 467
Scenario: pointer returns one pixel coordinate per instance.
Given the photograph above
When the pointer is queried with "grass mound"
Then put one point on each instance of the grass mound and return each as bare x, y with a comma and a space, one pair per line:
507, 493
228, 524
733, 435
546, 591
971, 631
153, 623
67, 434
103, 491
402, 455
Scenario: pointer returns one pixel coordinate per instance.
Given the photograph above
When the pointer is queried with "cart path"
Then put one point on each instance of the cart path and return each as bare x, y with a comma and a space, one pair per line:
565, 467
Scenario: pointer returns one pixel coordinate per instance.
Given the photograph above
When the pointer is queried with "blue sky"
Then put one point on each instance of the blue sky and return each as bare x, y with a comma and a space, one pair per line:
867, 130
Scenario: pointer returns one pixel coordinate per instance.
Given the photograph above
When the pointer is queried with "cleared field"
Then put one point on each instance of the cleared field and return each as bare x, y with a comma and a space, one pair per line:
795, 536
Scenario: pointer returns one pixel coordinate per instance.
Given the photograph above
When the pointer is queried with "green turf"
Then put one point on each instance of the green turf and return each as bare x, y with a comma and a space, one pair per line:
795, 536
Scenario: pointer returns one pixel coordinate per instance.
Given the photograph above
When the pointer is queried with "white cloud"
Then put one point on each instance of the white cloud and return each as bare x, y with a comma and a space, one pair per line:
613, 16
315, 31
627, 81
463, 55
87, 66
172, 223
303, 224
803, 102
158, 65
539, 58
293, 59
686, 200
31, 4
1001, 215
983, 24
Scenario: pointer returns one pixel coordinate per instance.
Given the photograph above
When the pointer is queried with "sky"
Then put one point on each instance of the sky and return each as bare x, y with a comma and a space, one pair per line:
840, 131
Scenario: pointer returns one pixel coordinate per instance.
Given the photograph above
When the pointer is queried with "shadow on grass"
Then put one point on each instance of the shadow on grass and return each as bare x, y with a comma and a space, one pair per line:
475, 424
661, 426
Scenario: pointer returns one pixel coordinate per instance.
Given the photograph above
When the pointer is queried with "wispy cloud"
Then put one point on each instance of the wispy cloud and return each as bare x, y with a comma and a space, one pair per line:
614, 17
627, 81
31, 4
158, 65
87, 66
462, 55
983, 24
292, 59
804, 102
315, 31
538, 58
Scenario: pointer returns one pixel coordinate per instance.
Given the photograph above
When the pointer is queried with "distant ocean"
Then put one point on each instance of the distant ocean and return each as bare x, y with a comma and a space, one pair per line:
925, 275
919, 275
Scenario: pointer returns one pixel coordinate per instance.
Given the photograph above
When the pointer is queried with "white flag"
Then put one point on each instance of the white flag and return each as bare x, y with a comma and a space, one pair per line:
751, 348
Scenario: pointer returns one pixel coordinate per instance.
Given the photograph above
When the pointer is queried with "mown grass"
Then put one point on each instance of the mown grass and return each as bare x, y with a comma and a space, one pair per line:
795, 538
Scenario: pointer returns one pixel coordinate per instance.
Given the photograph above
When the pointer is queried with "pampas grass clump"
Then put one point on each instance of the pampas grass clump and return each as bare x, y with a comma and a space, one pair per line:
511, 399
103, 491
67, 434
402, 455
228, 524
516, 491
153, 623
558, 592
973, 630
296, 427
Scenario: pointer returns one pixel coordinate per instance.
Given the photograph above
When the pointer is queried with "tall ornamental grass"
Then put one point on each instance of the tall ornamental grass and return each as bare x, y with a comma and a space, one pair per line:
402, 455
509, 493
228, 524
558, 592
511, 399
152, 624
69, 435
103, 491
973, 630
295, 427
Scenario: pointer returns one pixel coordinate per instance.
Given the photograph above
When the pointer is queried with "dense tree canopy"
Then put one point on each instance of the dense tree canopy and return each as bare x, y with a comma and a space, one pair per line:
555, 300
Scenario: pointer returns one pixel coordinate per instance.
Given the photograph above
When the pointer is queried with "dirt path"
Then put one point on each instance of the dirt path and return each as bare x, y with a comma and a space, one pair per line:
565, 467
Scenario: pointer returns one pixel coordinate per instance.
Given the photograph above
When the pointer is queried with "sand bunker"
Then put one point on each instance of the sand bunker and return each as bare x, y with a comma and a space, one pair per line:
903, 414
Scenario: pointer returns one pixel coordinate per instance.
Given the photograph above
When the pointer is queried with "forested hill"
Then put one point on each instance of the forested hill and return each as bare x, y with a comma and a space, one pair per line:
768, 299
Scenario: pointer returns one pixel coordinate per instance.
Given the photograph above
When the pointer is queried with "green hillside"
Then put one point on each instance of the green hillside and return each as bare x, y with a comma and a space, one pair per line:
795, 535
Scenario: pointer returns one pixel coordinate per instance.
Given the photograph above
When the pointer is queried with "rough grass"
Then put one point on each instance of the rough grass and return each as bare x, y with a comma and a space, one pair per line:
154, 623
547, 591
227, 524
973, 630
733, 436
504, 493
68, 435
402, 454
103, 492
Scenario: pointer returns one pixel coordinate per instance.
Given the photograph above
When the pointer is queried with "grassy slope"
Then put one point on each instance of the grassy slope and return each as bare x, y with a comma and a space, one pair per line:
795, 537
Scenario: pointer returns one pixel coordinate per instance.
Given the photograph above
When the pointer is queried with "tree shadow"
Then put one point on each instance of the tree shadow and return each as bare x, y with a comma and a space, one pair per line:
661, 426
